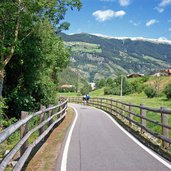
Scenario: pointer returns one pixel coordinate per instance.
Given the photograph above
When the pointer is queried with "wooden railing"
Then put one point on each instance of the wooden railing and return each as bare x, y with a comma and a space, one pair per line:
148, 121
47, 118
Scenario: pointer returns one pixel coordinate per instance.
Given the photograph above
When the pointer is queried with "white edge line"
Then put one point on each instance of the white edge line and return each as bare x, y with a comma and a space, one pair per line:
66, 148
138, 142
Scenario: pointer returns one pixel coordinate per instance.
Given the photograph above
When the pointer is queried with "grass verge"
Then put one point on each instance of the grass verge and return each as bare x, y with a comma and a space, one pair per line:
47, 155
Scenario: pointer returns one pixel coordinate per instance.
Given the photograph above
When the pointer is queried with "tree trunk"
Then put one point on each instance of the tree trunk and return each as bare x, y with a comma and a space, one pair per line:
7, 58
1, 81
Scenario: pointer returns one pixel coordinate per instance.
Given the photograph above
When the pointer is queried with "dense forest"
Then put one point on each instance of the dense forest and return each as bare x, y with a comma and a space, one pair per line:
31, 52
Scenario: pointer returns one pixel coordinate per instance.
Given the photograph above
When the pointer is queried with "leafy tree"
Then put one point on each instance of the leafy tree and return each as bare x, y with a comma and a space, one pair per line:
86, 89
109, 82
100, 83
114, 87
19, 18
167, 91
126, 87
30, 77
150, 92
136, 86
31, 53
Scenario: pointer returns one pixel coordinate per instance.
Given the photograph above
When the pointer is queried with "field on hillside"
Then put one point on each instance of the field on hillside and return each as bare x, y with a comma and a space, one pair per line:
84, 47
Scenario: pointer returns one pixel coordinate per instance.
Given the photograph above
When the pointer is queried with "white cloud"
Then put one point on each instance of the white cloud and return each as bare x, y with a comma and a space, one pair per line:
107, 14
124, 2
134, 23
159, 9
165, 3
161, 6
151, 22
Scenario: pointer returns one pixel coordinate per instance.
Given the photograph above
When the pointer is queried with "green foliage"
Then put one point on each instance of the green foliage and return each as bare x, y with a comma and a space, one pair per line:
86, 89
150, 92
2, 115
167, 91
144, 78
4, 120
137, 86
114, 86
35, 54
112, 90
31, 76
100, 83
109, 82
2, 107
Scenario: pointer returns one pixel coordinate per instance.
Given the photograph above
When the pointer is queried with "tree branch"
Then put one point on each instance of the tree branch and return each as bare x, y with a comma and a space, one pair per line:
12, 50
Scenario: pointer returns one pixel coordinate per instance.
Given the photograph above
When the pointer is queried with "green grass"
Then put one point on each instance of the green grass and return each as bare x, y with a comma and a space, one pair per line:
137, 99
98, 92
84, 47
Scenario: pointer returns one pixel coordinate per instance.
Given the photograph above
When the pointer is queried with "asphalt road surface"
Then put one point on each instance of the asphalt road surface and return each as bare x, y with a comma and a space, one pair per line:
98, 144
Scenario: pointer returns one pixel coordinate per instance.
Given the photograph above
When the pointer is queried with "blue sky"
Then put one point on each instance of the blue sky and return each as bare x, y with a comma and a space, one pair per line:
123, 18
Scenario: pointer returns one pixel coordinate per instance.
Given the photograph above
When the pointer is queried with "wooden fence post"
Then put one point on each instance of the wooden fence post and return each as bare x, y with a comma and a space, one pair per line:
99, 105
23, 132
130, 115
117, 108
123, 112
42, 118
165, 131
111, 106
143, 121
106, 104
101, 102
50, 114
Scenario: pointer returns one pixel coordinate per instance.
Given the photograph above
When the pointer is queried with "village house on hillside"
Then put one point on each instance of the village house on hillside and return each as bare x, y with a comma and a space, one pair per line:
134, 75
93, 86
66, 86
165, 72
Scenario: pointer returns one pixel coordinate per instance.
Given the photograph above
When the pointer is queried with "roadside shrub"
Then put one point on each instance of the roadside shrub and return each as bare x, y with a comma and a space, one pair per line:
167, 91
86, 89
136, 86
150, 92
144, 79
111, 91
4, 120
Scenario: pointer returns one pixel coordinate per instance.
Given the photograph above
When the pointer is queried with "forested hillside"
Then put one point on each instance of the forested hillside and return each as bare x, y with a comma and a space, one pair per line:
98, 57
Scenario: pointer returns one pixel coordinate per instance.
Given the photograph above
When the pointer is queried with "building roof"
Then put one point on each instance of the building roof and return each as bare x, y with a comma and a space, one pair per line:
66, 86
134, 75
166, 71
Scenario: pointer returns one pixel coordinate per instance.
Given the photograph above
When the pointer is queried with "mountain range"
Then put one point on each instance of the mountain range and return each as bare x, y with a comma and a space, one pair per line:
96, 56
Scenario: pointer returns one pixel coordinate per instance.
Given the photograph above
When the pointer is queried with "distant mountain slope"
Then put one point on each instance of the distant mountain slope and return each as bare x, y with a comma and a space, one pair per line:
98, 57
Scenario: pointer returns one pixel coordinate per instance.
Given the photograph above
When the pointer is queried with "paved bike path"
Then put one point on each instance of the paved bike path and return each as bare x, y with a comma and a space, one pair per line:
97, 144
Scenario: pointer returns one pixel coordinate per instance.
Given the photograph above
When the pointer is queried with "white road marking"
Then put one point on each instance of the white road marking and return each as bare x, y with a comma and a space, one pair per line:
65, 153
138, 142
